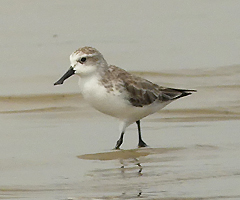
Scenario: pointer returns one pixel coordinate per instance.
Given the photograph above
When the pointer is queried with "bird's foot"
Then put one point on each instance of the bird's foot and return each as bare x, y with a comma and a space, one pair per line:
116, 148
142, 144
119, 143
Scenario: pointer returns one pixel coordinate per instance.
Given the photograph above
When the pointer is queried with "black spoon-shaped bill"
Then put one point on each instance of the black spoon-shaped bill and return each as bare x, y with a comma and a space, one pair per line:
69, 73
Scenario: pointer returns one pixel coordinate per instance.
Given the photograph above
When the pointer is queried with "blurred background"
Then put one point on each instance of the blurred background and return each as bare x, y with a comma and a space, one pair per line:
37, 38
55, 146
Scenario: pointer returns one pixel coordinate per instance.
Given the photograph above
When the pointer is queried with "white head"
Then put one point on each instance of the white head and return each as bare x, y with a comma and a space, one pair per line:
85, 61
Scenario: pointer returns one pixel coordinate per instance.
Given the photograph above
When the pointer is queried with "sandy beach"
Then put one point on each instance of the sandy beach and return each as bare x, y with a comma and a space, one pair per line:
55, 146
58, 147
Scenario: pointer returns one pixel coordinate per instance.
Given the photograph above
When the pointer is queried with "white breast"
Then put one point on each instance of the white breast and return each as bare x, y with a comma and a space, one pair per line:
113, 103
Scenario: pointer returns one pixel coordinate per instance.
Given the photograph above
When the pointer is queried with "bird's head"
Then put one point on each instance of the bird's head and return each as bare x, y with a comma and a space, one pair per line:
85, 61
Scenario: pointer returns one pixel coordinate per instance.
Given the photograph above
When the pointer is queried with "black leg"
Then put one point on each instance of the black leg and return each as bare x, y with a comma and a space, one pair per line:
141, 143
120, 141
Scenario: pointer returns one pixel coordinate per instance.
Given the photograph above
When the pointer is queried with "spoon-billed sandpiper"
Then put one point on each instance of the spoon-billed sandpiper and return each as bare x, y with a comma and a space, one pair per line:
116, 92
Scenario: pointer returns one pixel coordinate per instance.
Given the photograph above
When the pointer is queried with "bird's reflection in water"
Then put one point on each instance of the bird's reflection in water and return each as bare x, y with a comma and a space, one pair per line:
136, 163
126, 157
135, 166
125, 196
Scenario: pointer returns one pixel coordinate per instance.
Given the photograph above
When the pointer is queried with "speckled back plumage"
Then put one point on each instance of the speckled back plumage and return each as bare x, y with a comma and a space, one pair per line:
140, 92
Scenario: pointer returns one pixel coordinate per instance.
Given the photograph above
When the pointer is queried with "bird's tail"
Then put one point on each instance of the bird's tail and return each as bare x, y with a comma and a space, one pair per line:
177, 93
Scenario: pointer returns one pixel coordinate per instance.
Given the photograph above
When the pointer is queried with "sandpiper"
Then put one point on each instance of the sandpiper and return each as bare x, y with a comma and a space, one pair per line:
116, 92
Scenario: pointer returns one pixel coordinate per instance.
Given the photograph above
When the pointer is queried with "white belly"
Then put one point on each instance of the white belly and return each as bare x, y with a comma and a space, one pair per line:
113, 103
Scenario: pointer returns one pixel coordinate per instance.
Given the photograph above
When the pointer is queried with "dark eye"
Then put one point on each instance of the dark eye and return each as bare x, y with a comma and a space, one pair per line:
83, 59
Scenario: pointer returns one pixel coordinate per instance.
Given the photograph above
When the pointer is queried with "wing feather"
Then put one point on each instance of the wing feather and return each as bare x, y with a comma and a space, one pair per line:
141, 92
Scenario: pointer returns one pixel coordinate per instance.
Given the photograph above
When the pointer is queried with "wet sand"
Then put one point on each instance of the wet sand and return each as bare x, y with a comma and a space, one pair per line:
57, 147
54, 146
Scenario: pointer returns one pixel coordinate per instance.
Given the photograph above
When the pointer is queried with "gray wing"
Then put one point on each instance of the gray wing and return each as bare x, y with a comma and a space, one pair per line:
142, 92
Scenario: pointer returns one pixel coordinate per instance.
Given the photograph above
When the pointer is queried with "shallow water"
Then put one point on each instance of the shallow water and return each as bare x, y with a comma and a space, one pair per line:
60, 148
55, 146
